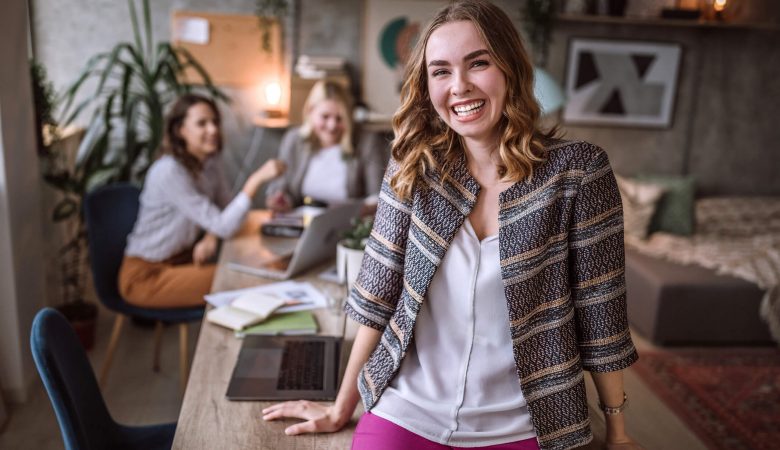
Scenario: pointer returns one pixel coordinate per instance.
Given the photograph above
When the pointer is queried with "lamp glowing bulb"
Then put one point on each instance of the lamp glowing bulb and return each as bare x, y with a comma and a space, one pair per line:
273, 94
719, 5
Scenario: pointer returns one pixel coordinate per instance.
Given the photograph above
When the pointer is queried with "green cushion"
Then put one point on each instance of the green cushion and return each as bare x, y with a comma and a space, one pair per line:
675, 211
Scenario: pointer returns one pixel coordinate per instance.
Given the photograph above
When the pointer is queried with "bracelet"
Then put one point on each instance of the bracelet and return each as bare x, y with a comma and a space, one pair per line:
610, 411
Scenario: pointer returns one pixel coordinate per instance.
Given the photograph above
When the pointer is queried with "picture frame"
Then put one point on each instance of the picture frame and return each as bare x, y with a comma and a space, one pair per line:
390, 31
621, 82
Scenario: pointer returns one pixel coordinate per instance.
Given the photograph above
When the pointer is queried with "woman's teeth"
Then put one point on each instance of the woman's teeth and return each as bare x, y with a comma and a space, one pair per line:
468, 109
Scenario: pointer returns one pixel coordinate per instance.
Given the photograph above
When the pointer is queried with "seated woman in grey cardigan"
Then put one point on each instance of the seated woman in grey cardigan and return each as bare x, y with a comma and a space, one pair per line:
324, 163
184, 195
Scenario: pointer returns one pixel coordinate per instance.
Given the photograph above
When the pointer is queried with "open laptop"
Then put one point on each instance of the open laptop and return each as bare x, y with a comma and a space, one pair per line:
286, 368
316, 244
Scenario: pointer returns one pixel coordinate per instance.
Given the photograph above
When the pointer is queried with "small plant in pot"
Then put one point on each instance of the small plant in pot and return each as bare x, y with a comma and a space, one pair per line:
350, 250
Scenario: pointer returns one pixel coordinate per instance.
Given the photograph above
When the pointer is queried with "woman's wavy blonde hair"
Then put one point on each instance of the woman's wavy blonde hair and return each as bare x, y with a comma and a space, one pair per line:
329, 90
420, 133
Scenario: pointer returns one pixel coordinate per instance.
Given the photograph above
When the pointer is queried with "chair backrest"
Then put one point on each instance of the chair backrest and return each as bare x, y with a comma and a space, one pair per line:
110, 213
67, 375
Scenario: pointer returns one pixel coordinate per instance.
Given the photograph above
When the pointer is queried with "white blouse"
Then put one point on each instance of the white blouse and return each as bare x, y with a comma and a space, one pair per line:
326, 176
463, 390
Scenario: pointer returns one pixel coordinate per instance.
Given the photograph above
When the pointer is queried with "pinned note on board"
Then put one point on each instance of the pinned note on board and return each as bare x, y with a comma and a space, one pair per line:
229, 47
193, 30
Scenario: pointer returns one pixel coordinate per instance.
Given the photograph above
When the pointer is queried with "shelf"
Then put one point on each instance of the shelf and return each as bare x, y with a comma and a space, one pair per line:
659, 22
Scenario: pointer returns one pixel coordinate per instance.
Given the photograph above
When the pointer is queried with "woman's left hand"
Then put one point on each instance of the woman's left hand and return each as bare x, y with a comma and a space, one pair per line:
204, 249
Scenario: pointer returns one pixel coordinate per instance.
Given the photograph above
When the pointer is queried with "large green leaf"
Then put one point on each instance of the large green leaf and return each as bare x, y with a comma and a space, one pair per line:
65, 209
95, 131
100, 178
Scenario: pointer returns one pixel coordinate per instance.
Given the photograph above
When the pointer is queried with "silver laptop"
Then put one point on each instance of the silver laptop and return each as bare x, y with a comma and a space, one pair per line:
316, 244
286, 368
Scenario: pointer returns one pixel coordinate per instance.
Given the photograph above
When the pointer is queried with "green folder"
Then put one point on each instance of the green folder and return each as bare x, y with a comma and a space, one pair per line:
294, 323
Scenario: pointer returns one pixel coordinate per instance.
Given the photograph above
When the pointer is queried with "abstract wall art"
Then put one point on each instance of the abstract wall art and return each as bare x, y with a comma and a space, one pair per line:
390, 33
614, 82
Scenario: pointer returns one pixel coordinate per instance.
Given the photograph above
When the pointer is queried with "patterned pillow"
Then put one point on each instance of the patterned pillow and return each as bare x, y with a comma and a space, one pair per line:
675, 210
639, 204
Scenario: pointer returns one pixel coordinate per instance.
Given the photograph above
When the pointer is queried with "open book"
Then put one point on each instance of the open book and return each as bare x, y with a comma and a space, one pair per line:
246, 310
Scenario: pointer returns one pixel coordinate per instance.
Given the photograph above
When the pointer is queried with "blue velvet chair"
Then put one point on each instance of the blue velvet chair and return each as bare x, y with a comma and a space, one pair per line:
110, 213
84, 420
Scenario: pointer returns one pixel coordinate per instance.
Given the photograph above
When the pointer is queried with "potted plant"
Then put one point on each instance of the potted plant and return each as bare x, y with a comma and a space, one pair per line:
51, 151
135, 82
267, 11
349, 252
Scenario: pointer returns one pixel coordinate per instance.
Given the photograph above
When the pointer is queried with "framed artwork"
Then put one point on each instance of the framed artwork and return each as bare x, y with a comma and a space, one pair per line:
631, 83
390, 32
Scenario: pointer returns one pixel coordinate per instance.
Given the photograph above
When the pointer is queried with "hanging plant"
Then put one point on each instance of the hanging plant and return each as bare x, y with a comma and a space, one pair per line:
538, 21
267, 12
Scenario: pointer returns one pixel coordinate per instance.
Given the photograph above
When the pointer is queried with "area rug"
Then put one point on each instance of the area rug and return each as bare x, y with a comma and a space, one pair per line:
729, 398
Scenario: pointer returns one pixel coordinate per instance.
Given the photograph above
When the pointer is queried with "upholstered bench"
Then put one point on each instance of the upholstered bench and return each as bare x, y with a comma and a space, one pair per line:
670, 303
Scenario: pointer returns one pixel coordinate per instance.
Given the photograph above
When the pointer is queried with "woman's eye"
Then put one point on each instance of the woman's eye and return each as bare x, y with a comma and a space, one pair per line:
439, 72
479, 63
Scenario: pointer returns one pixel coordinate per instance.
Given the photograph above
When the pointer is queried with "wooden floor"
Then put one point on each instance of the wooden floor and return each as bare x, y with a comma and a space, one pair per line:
136, 395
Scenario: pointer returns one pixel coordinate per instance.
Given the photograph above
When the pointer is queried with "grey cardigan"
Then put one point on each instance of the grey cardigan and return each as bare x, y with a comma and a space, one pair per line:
364, 168
562, 264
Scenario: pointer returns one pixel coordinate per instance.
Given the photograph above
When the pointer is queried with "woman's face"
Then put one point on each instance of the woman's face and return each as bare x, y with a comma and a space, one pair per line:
327, 122
466, 88
200, 131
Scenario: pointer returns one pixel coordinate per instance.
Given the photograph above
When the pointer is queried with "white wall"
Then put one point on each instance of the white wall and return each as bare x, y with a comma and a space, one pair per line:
21, 277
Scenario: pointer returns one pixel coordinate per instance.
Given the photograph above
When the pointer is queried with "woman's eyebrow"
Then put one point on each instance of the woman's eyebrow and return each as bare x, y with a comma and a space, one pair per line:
475, 54
472, 55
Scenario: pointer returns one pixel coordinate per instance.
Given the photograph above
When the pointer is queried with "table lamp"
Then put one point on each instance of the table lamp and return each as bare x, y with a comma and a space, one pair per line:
273, 97
547, 92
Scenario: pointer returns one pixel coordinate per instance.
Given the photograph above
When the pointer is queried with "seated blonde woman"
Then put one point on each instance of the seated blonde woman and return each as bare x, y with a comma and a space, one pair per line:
327, 160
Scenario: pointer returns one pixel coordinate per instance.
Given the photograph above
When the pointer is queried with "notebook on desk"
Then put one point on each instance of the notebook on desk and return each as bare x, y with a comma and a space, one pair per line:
286, 368
316, 244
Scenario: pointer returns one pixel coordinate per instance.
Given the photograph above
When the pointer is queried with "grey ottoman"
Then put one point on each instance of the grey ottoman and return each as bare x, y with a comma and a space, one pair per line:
670, 303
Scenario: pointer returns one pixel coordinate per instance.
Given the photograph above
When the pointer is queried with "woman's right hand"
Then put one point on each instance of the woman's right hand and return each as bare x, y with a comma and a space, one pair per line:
267, 172
318, 418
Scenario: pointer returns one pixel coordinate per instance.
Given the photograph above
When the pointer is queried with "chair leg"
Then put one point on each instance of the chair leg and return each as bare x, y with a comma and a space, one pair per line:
158, 329
118, 322
183, 369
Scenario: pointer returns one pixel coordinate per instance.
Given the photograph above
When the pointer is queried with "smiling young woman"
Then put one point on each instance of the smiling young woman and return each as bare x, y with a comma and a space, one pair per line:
493, 276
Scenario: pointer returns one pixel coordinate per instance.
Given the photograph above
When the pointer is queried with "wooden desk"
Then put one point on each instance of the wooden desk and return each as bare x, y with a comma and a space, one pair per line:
207, 419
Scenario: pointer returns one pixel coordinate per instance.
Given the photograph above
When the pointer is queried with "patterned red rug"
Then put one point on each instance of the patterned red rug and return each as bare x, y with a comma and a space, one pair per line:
729, 398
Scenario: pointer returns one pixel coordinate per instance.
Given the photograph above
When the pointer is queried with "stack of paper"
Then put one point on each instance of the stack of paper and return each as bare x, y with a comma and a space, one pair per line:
306, 295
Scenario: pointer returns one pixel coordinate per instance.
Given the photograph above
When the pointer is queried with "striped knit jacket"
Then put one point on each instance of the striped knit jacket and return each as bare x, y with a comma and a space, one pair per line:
562, 264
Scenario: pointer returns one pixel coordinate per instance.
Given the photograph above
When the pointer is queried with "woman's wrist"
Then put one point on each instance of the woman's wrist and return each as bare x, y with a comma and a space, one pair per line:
344, 408
251, 185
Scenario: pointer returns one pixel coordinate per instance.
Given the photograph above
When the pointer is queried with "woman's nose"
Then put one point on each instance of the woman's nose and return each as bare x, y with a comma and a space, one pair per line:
461, 85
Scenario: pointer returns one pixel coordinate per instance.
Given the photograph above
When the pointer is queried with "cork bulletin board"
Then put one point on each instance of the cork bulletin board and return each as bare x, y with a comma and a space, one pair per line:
229, 47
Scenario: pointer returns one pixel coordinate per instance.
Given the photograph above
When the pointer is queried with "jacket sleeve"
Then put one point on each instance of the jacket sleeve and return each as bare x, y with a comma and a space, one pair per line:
597, 271
373, 297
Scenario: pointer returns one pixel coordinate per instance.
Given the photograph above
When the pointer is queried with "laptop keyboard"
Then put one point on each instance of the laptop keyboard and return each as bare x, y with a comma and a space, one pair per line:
302, 366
